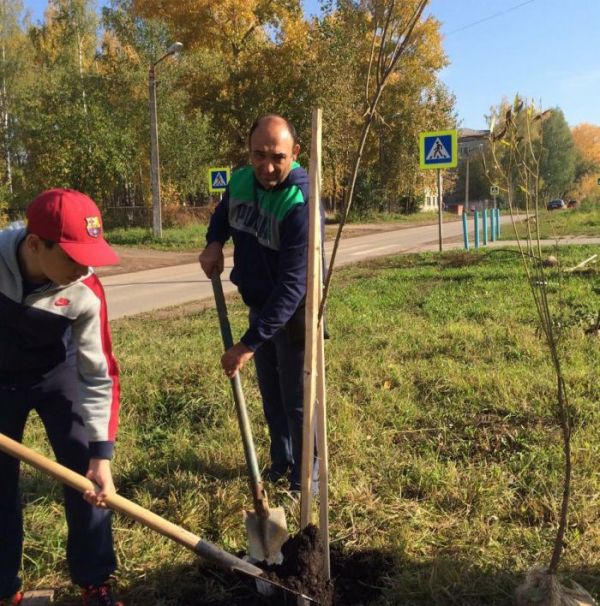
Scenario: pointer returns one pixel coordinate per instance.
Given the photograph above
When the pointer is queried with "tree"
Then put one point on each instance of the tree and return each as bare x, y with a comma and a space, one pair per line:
185, 135
15, 75
553, 148
558, 160
587, 143
234, 44
393, 32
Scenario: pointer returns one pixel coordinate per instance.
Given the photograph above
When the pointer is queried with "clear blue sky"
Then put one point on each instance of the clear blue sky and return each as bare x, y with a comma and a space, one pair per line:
543, 49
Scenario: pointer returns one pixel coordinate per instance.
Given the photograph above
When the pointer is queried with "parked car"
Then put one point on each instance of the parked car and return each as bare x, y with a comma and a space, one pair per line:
572, 204
556, 204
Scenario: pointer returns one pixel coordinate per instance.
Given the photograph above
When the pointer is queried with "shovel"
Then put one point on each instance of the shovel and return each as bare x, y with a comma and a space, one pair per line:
266, 527
118, 503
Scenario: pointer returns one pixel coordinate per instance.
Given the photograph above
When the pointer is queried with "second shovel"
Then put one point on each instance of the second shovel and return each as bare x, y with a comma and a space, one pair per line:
266, 527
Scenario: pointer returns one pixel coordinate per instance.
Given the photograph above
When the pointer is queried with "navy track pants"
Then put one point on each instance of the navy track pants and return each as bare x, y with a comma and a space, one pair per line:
90, 553
280, 372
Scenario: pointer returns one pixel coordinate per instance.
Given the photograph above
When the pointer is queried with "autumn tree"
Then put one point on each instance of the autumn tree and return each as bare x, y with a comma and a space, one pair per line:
587, 143
186, 142
233, 42
68, 134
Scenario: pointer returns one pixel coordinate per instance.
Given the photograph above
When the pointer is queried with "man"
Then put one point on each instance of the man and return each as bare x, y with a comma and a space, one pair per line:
56, 359
265, 211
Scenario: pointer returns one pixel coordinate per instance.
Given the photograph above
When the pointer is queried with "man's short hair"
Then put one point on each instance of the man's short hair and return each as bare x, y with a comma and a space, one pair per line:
291, 128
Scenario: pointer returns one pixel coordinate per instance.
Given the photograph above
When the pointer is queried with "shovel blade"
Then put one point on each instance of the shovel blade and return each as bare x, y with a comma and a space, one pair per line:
266, 535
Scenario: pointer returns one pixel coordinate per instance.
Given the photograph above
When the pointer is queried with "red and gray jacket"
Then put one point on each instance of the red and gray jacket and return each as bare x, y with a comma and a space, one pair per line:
54, 325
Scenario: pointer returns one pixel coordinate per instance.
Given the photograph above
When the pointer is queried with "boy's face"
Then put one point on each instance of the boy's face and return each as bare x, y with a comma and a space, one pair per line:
53, 263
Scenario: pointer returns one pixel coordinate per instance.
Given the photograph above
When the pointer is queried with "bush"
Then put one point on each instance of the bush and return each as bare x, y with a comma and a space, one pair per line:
591, 203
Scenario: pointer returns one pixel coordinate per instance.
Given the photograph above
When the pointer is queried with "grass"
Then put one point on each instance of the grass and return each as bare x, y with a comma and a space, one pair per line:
557, 223
445, 457
418, 218
190, 237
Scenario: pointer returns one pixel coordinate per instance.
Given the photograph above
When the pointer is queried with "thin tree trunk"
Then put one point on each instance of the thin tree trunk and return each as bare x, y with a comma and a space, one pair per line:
5, 124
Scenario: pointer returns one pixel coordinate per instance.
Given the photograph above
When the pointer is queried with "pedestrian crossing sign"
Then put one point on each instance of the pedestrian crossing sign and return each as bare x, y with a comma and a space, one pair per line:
217, 179
438, 149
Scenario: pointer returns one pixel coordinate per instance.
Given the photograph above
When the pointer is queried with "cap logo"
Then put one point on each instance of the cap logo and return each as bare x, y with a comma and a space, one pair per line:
62, 302
93, 226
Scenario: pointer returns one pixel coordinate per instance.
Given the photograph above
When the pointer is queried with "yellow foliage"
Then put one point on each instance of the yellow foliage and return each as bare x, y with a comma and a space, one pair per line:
225, 25
587, 142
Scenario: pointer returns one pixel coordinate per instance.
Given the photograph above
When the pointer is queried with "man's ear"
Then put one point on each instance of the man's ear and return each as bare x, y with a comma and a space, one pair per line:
295, 151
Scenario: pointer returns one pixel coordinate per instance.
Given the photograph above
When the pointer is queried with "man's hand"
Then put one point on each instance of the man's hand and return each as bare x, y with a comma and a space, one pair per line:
212, 258
99, 472
234, 359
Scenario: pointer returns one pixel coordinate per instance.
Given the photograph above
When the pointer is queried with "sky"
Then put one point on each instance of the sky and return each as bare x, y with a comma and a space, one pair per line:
545, 50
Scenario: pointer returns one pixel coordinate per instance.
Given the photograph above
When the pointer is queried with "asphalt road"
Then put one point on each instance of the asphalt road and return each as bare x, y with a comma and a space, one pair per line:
133, 293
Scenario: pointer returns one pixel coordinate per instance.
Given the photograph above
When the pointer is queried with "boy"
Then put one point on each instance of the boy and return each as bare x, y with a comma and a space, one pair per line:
56, 359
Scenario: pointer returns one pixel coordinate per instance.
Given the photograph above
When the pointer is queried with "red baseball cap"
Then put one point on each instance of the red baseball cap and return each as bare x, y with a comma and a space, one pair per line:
73, 221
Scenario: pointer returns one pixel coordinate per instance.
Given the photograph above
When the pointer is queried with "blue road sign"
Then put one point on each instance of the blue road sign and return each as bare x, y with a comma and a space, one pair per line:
218, 179
438, 149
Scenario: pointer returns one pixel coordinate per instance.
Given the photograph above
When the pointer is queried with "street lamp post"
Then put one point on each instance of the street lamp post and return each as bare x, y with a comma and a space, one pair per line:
154, 157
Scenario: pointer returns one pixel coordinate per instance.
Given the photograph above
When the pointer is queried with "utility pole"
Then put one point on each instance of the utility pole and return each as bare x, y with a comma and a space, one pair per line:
154, 159
440, 208
174, 49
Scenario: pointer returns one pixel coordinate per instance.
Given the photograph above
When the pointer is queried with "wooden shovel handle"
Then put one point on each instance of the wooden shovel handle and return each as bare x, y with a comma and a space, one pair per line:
140, 514
113, 501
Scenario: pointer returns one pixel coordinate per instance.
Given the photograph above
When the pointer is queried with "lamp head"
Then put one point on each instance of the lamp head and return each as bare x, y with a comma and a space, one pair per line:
174, 48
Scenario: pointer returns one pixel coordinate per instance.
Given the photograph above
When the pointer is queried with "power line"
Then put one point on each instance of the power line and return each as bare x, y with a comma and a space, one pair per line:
494, 16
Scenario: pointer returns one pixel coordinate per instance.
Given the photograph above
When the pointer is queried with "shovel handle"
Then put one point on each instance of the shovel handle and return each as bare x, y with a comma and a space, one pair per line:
240, 402
129, 508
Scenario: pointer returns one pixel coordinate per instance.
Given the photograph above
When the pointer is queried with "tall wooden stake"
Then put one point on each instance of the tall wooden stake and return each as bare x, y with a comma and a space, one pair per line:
322, 445
312, 309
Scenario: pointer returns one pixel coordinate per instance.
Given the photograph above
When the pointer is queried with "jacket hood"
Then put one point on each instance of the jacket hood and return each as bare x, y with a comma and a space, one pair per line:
9, 244
12, 279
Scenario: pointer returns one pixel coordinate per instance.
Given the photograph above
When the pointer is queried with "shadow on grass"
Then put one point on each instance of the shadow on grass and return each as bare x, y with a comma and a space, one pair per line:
452, 582
197, 466
361, 577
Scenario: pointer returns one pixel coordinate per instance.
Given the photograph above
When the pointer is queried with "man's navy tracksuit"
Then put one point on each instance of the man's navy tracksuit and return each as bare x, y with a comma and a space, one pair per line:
270, 236
56, 359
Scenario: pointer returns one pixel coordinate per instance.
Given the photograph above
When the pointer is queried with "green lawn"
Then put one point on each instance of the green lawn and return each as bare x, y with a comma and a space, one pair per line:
192, 237
445, 457
419, 218
558, 223
188, 238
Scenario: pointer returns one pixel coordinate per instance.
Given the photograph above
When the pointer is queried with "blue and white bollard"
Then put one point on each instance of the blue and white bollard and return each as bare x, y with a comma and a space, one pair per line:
484, 221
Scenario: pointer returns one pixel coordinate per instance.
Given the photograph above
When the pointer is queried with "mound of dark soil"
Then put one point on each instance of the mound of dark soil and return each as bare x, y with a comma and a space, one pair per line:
302, 567
357, 576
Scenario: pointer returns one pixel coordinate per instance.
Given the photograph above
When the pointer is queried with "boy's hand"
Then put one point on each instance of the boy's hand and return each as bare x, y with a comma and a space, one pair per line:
212, 258
99, 472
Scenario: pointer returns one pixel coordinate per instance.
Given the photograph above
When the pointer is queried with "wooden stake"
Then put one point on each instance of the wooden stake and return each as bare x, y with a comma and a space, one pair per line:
312, 311
323, 448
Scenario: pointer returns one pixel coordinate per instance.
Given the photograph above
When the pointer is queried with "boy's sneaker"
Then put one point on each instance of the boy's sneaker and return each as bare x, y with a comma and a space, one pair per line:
102, 595
14, 601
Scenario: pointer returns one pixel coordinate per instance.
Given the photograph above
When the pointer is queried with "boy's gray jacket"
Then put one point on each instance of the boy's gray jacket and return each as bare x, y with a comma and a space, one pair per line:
55, 325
